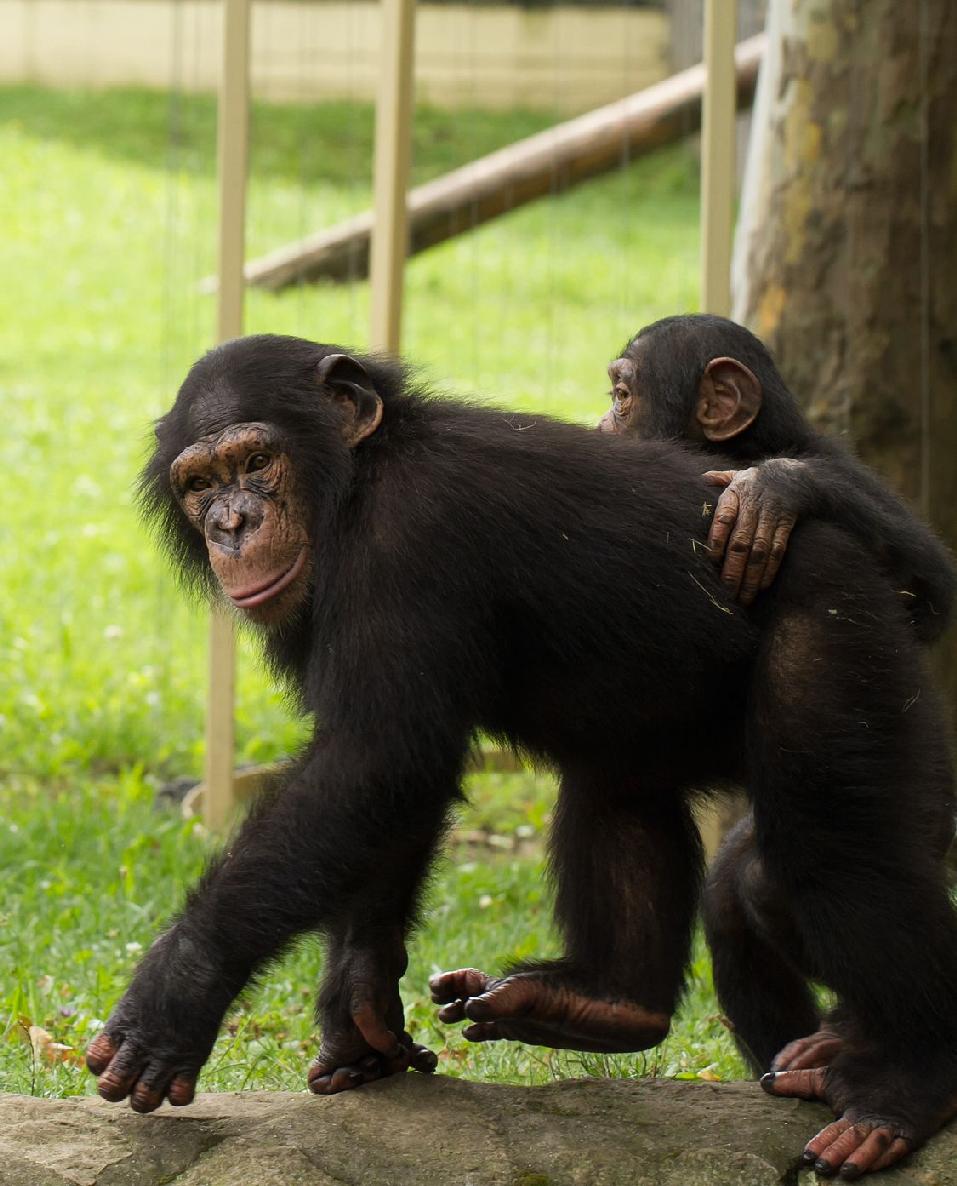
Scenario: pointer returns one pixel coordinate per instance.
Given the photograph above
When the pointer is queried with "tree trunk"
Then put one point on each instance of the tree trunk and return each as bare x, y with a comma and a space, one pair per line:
846, 256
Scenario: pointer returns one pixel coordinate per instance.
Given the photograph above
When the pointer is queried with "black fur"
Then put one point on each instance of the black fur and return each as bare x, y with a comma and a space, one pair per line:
504, 572
776, 898
673, 354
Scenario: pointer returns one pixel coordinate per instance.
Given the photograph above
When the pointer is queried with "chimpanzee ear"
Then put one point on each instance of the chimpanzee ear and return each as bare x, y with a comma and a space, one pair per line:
729, 399
351, 386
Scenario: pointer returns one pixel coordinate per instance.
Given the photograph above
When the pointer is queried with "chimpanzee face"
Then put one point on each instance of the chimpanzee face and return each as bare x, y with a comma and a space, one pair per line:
236, 488
622, 416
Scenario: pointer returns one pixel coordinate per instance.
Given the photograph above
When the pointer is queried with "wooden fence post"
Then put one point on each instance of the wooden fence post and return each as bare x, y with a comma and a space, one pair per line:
233, 123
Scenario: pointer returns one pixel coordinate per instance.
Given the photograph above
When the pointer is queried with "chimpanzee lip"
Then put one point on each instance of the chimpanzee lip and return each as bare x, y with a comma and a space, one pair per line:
266, 590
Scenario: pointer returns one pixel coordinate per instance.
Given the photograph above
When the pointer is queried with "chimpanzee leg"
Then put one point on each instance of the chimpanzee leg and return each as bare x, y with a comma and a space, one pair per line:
305, 860
755, 952
850, 778
626, 863
359, 1009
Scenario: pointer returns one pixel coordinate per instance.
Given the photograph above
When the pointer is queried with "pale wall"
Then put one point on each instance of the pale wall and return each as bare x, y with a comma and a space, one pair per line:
565, 58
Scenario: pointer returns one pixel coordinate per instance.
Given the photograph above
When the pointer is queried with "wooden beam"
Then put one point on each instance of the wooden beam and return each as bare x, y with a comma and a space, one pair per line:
718, 164
718, 174
253, 781
553, 160
233, 121
393, 150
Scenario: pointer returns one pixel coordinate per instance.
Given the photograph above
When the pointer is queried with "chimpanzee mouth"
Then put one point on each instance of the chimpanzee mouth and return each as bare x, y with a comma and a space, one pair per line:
267, 590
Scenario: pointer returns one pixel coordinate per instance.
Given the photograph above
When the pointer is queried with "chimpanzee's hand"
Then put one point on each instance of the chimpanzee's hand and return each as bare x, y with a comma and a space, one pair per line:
363, 1027
162, 1030
749, 531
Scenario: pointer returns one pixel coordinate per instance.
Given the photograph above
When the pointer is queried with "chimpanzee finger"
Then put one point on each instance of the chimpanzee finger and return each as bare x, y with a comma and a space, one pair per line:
720, 477
722, 523
463, 982
453, 1012
150, 1089
898, 1149
739, 548
754, 570
325, 1079
824, 1139
484, 1031
779, 545
816, 1050
182, 1090
423, 1059
876, 1144
101, 1052
397, 1062
833, 1144
341, 1079
117, 1081
507, 998
806, 1085
758, 558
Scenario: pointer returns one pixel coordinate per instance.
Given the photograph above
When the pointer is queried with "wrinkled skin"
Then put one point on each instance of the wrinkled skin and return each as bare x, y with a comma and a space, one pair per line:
362, 1021
236, 488
882, 1114
749, 531
532, 1007
157, 1039
816, 1050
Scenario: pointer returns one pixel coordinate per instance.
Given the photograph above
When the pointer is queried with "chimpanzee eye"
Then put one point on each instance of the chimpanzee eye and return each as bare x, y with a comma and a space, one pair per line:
195, 485
257, 461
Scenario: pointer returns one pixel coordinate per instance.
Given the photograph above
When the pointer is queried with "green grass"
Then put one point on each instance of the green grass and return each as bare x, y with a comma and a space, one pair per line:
107, 223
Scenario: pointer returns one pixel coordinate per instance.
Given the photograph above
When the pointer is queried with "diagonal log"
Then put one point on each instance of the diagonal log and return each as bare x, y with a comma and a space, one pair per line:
546, 163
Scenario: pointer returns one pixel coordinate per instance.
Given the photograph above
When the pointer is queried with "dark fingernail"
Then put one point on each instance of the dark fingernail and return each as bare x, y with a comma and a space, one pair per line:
851, 1172
823, 1169
356, 1076
767, 1080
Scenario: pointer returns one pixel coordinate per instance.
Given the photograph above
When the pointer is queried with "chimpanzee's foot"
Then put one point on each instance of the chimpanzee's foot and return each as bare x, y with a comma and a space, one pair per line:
544, 1010
363, 1049
364, 1032
884, 1114
163, 1028
128, 1065
816, 1050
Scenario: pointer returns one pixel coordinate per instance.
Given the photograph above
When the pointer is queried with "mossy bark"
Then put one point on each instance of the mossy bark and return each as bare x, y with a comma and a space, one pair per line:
846, 260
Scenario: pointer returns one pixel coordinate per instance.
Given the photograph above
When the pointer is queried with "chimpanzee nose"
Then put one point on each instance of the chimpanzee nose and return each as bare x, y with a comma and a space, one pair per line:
231, 518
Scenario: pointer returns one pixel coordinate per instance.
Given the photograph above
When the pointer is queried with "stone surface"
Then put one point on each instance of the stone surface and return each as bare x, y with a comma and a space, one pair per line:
437, 1132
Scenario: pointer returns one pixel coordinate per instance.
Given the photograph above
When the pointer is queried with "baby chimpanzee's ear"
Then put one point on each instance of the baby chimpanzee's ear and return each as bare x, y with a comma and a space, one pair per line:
729, 399
351, 386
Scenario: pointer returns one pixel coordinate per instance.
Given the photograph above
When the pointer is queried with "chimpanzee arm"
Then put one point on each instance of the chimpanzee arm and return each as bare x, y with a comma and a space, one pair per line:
754, 517
344, 826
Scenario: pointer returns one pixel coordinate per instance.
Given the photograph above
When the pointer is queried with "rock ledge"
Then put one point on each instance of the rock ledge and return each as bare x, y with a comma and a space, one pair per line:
434, 1131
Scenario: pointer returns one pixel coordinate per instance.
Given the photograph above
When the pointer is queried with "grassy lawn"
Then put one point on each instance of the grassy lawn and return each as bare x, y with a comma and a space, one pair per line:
107, 216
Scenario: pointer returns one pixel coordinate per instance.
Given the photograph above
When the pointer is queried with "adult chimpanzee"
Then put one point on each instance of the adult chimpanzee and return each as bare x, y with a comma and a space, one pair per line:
707, 380
421, 569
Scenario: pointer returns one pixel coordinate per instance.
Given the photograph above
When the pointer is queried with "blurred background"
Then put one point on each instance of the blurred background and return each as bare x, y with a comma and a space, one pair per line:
846, 263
